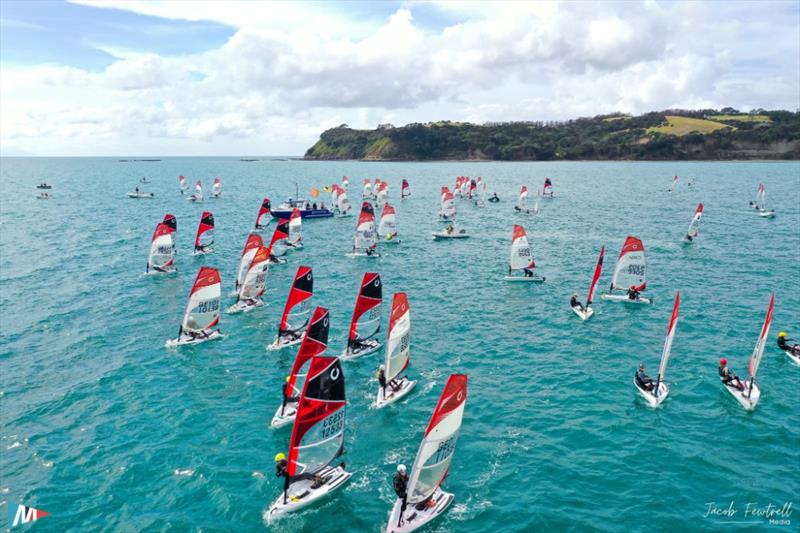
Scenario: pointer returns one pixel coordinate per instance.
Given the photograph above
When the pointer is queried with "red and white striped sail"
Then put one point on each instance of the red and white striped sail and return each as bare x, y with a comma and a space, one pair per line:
345, 182
521, 254
523, 198
761, 198
335, 192
366, 321
398, 342
547, 188
598, 269
263, 217
473, 186
382, 192
674, 183
295, 227
694, 225
405, 190
298, 303
184, 185
314, 343
216, 187
630, 270
464, 187
198, 190
366, 237
172, 222
439, 443
758, 351
162, 249
205, 231
202, 312
255, 278
387, 229
448, 207
367, 189
279, 237
253, 243
318, 433
673, 322
342, 203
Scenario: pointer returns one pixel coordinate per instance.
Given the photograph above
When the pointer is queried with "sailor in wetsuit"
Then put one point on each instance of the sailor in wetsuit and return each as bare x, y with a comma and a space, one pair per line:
728, 377
400, 482
573, 302
643, 381
287, 394
633, 293
787, 344
494, 198
281, 466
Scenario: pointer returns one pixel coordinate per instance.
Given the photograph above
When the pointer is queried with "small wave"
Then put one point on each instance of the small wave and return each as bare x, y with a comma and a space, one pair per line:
184, 472
257, 474
16, 444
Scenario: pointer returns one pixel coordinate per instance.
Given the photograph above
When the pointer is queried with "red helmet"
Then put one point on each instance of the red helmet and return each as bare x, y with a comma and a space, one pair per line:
723, 361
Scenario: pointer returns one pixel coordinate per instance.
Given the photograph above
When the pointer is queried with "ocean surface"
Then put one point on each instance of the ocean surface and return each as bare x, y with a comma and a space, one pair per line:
107, 430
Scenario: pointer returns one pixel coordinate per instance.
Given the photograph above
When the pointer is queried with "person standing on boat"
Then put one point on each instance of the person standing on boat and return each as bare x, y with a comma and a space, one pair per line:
287, 394
281, 470
573, 302
728, 377
643, 381
787, 344
400, 483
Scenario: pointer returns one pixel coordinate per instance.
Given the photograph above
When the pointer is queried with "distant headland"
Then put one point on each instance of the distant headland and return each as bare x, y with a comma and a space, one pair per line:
675, 134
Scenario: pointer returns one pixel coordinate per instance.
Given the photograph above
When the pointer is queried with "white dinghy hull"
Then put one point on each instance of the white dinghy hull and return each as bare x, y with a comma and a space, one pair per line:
186, 340
583, 314
288, 416
528, 279
371, 345
245, 306
302, 495
413, 519
793, 358
405, 387
749, 403
278, 344
439, 235
624, 298
653, 400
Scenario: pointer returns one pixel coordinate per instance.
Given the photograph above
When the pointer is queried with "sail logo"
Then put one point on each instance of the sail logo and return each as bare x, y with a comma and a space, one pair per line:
21, 514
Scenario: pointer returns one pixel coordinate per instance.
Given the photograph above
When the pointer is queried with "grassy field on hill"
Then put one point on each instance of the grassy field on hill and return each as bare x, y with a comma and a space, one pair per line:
685, 125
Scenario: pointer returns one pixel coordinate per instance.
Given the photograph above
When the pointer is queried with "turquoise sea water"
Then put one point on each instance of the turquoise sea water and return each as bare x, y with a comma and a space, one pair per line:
107, 430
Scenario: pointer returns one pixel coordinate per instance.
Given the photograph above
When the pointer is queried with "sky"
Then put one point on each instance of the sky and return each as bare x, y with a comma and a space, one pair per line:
130, 77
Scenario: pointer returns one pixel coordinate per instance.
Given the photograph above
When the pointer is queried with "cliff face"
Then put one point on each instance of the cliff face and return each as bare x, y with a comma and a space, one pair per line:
672, 135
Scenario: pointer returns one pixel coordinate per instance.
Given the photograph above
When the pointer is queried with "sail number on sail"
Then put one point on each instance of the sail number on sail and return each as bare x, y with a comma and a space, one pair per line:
333, 425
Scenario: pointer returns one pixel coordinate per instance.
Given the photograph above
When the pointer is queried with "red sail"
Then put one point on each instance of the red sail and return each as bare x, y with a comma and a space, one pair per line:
266, 206
302, 290
281, 232
367, 213
453, 395
370, 295
322, 406
314, 343
206, 224
253, 241
598, 269
205, 276
632, 244
170, 221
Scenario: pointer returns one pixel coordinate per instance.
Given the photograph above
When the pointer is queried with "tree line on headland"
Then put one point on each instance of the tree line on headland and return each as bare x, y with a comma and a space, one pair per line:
674, 134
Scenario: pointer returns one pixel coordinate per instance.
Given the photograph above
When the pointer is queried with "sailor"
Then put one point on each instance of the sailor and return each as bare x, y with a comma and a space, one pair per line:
287, 394
137, 190
728, 377
314, 205
785, 343
689, 238
400, 483
382, 379
643, 381
573, 302
527, 270
494, 198
281, 466
633, 293
449, 229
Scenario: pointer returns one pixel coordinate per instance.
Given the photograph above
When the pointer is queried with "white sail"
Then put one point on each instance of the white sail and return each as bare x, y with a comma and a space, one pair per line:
631, 266
398, 345
673, 322
522, 201
202, 312
216, 188
295, 227
387, 229
198, 190
758, 351
367, 189
448, 207
536, 206
366, 236
521, 255
162, 249
694, 225
255, 279
343, 203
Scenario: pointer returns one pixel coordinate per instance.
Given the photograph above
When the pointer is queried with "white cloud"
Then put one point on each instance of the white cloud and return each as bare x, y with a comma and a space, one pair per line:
293, 69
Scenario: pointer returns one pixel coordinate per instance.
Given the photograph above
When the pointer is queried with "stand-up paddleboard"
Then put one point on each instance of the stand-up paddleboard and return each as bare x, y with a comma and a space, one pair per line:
204, 240
295, 239
317, 439
761, 203
216, 188
522, 201
202, 312
297, 310
365, 241
547, 189
694, 226
251, 245
674, 184
161, 259
405, 190
279, 237
660, 390
366, 322
587, 312
749, 397
184, 185
387, 228
630, 271
198, 192
140, 194
398, 350
447, 206
425, 499
264, 215
253, 284
521, 258
315, 342
172, 222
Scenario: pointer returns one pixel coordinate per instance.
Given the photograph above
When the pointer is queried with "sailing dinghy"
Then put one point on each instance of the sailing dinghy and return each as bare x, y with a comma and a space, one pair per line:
132, 194
253, 284
387, 228
202, 312
365, 241
204, 239
398, 349
521, 258
296, 311
629, 272
251, 246
366, 194
761, 203
314, 343
751, 393
343, 204
198, 192
405, 190
425, 498
522, 201
317, 439
366, 322
295, 239
694, 226
161, 259
216, 188
447, 206
586, 312
660, 390
263, 218
184, 185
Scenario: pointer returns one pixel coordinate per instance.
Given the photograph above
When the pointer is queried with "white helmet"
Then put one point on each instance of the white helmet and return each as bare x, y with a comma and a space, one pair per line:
401, 469
381, 368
